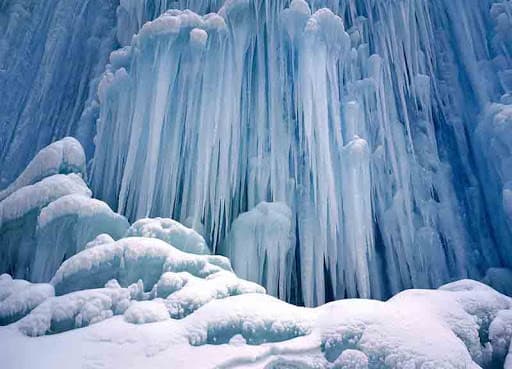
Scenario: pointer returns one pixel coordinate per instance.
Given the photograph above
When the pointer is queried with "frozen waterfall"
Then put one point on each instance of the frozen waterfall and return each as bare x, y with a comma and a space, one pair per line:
362, 117
384, 127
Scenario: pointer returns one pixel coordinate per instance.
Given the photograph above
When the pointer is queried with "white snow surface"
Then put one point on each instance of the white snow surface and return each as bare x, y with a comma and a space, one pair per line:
463, 325
40, 194
63, 156
172, 232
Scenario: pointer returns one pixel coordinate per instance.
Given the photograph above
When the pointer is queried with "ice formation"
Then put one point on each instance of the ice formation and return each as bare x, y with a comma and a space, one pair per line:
47, 214
266, 233
385, 126
170, 231
386, 137
462, 325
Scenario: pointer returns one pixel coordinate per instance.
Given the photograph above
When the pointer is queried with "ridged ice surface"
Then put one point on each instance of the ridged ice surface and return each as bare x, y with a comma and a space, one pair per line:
382, 125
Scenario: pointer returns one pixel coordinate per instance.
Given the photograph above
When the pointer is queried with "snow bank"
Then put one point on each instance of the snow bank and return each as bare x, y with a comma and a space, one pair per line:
18, 297
172, 232
129, 260
143, 312
75, 310
462, 325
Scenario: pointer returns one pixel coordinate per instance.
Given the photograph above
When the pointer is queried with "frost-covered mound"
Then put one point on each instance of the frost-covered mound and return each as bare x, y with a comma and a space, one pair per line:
463, 325
170, 231
47, 214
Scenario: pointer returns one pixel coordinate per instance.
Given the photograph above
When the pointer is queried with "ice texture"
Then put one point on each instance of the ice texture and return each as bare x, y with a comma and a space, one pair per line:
48, 215
18, 219
65, 227
382, 125
61, 157
172, 232
51, 57
261, 246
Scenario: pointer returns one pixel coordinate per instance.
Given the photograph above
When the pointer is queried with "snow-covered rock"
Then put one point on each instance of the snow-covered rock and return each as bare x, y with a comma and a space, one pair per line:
129, 260
18, 219
172, 232
65, 227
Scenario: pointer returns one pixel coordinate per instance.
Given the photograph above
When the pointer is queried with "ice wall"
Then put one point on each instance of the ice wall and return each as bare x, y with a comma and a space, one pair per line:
51, 52
363, 118
383, 125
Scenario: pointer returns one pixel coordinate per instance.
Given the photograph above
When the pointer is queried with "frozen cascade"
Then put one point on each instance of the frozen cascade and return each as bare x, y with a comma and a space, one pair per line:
365, 125
266, 233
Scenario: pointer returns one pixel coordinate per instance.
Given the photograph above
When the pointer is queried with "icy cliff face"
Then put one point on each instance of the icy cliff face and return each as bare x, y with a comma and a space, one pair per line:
382, 125
51, 55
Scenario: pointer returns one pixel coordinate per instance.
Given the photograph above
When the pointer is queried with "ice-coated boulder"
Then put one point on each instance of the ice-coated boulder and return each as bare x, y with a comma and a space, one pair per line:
261, 247
61, 157
172, 232
129, 260
47, 214
65, 227
18, 219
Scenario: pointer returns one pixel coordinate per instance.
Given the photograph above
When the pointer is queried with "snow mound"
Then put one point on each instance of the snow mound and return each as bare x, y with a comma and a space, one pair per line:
40, 194
18, 219
172, 232
196, 292
129, 260
257, 318
143, 312
18, 297
100, 239
64, 228
61, 157
75, 310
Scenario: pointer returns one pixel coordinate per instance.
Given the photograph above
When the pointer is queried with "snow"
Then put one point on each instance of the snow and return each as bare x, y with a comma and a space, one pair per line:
61, 157
74, 310
143, 312
172, 232
100, 239
129, 260
333, 149
64, 228
416, 328
40, 194
18, 219
18, 297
